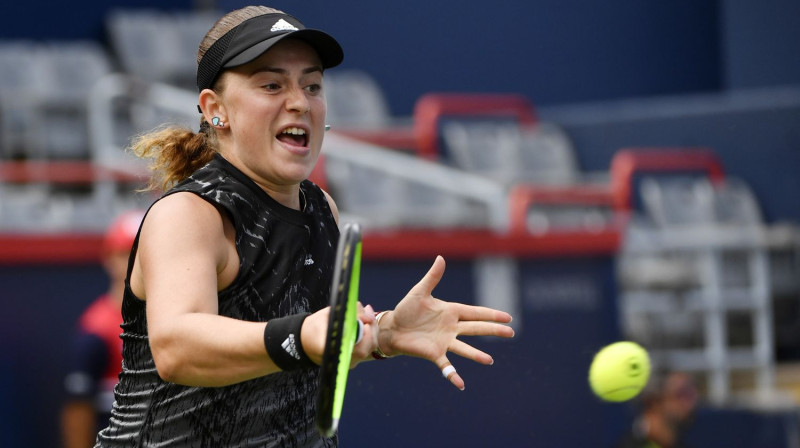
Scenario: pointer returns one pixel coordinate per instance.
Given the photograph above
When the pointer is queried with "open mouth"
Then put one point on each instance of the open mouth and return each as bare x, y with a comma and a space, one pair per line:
294, 136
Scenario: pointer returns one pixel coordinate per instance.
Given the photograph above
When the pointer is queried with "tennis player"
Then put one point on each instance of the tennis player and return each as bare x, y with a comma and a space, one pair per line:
666, 411
225, 308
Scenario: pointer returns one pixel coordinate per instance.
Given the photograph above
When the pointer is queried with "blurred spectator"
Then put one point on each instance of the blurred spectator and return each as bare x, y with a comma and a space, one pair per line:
667, 407
96, 346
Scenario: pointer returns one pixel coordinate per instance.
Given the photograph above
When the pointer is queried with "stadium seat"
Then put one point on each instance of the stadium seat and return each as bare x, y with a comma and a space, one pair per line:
386, 201
138, 43
576, 209
71, 70
388, 189
736, 204
510, 153
44, 94
24, 207
189, 29
158, 46
19, 93
362, 191
629, 164
432, 108
678, 201
355, 100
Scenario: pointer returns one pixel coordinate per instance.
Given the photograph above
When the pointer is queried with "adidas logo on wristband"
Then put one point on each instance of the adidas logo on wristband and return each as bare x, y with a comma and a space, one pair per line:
290, 347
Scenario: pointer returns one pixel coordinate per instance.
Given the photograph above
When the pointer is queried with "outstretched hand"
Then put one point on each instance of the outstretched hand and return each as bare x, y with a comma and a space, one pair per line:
426, 327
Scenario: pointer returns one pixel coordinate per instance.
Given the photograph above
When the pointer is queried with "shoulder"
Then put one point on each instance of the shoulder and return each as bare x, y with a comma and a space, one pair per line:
180, 203
182, 223
323, 197
332, 205
181, 210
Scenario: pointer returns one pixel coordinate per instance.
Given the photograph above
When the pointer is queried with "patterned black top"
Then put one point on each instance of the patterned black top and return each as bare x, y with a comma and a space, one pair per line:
285, 267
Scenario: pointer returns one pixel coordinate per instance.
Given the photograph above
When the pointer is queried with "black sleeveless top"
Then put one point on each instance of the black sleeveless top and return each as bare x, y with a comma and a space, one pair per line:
285, 267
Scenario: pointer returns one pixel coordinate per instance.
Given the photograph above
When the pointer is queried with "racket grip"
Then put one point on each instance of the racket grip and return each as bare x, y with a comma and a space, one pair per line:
360, 333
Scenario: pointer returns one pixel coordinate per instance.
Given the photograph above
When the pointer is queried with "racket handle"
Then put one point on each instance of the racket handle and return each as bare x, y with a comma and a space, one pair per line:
360, 333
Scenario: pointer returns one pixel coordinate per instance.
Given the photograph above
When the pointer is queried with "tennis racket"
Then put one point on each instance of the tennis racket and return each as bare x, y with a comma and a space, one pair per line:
344, 330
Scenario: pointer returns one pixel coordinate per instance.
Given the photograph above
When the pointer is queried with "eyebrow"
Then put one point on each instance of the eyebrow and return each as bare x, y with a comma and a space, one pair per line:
282, 71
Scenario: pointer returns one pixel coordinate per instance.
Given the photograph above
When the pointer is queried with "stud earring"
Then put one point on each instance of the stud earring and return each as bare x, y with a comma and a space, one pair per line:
217, 122
327, 127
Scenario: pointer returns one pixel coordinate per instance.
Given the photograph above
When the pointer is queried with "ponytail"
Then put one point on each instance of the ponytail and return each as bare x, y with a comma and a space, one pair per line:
175, 153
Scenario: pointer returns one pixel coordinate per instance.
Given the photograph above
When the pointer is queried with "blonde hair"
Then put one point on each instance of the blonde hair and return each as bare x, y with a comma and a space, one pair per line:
176, 152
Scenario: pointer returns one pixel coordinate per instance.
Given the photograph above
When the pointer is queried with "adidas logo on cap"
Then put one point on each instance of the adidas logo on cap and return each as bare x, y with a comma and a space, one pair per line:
282, 25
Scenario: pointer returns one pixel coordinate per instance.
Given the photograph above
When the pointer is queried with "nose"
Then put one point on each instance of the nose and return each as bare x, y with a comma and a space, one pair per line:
297, 101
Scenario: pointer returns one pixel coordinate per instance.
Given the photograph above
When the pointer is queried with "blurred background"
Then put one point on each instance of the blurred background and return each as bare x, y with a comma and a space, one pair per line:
604, 171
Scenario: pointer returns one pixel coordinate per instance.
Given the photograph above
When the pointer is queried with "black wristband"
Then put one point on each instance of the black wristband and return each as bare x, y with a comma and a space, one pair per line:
282, 340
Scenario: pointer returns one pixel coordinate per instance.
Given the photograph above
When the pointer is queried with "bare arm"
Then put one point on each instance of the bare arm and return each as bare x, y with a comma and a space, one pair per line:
186, 255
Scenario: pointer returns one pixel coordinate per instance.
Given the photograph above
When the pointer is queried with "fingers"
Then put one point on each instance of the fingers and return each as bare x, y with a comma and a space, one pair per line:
465, 351
469, 352
485, 329
433, 276
449, 372
365, 345
366, 314
481, 313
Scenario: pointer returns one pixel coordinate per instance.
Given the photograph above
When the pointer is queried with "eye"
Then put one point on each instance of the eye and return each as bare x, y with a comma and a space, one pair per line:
272, 87
314, 88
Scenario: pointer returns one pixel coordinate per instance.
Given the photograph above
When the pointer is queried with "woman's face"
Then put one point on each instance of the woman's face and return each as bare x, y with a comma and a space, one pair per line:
275, 109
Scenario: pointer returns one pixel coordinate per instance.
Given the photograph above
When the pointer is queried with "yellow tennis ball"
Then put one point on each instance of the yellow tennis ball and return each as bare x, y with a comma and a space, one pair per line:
619, 371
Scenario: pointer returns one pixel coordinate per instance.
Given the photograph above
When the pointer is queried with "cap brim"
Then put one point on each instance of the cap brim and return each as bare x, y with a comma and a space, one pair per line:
328, 49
